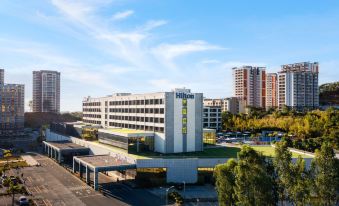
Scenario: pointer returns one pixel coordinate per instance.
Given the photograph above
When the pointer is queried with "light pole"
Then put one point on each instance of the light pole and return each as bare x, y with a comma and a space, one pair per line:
184, 189
167, 194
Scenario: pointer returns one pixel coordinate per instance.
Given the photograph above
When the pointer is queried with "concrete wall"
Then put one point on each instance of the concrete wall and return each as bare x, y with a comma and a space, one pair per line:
179, 169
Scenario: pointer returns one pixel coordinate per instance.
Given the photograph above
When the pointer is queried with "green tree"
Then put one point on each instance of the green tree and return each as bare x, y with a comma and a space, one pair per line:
325, 171
13, 189
282, 163
299, 190
253, 184
225, 183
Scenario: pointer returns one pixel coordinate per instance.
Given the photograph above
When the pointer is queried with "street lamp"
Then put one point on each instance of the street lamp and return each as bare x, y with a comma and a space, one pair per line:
167, 194
184, 189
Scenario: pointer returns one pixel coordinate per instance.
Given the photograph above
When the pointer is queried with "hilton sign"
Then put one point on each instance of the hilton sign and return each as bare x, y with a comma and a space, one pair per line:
181, 95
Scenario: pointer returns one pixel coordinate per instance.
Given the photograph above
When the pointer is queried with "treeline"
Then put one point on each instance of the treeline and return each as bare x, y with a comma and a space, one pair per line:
38, 119
299, 127
329, 94
256, 180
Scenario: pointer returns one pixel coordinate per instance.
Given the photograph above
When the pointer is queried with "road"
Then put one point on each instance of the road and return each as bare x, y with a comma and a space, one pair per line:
51, 184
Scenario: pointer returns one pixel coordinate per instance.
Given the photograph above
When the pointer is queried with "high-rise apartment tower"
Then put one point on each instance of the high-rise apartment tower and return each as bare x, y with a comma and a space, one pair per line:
46, 91
298, 85
250, 85
271, 90
12, 103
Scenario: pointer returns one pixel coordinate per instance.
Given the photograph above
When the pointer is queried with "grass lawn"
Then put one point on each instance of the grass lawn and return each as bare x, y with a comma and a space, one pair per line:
217, 152
14, 164
269, 151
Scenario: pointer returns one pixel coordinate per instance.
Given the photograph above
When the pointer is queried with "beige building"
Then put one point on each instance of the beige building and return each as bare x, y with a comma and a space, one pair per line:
46, 91
250, 85
271, 90
230, 104
12, 99
298, 85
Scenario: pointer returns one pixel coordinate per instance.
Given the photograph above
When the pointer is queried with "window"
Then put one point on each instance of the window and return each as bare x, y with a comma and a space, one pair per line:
184, 102
184, 130
184, 120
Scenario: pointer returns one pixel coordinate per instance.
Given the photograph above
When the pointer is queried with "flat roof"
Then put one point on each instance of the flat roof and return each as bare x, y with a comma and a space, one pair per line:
65, 145
105, 162
124, 132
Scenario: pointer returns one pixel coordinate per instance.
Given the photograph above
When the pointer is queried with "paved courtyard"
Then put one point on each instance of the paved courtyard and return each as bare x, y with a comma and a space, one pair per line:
50, 184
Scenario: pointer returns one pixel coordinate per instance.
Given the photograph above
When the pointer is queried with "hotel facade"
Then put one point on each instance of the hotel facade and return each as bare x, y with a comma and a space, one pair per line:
174, 118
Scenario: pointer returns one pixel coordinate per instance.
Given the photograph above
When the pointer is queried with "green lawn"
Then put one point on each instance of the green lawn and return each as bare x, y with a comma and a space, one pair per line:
217, 152
269, 151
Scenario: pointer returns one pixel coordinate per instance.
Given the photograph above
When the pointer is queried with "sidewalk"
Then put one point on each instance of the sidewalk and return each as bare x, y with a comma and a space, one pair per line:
29, 160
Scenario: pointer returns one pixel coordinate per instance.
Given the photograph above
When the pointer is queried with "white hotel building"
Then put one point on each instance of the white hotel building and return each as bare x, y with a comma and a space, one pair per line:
173, 119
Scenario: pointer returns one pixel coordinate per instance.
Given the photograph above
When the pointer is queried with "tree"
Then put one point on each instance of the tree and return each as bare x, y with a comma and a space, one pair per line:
253, 184
325, 171
225, 183
282, 163
299, 190
14, 189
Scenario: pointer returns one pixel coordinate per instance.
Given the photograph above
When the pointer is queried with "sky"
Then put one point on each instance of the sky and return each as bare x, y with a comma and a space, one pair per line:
103, 47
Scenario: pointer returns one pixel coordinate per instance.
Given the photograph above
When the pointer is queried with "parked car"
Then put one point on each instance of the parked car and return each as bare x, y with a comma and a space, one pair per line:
14, 180
23, 201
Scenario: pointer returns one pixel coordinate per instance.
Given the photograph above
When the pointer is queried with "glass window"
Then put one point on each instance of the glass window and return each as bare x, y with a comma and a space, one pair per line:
184, 102
184, 130
184, 120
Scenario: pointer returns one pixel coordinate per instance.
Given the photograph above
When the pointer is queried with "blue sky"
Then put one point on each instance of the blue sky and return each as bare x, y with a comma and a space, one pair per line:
107, 46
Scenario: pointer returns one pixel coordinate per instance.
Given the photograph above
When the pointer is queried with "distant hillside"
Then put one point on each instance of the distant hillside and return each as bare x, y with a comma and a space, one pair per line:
329, 94
37, 119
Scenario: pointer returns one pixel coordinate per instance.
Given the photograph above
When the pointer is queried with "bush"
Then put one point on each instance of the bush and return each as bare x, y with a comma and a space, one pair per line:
176, 197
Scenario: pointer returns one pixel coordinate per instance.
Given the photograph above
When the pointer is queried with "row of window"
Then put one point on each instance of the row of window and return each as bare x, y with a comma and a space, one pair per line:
91, 110
91, 121
138, 119
92, 115
138, 110
91, 103
136, 102
139, 127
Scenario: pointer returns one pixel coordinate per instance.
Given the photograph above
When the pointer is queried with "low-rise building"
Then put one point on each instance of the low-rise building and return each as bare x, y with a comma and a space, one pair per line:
229, 104
212, 117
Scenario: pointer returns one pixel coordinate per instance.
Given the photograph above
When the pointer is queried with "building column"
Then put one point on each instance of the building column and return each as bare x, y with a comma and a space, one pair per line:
74, 165
48, 151
80, 170
59, 156
88, 173
96, 179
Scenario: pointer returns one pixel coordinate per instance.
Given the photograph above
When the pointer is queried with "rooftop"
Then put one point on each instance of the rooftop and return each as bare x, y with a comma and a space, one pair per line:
63, 145
103, 160
127, 132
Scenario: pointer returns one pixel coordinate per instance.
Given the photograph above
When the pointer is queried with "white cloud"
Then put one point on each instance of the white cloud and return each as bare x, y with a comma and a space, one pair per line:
166, 53
152, 24
122, 15
170, 51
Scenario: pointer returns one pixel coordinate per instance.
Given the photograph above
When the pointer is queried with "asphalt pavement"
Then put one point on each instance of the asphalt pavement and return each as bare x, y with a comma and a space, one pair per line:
51, 184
